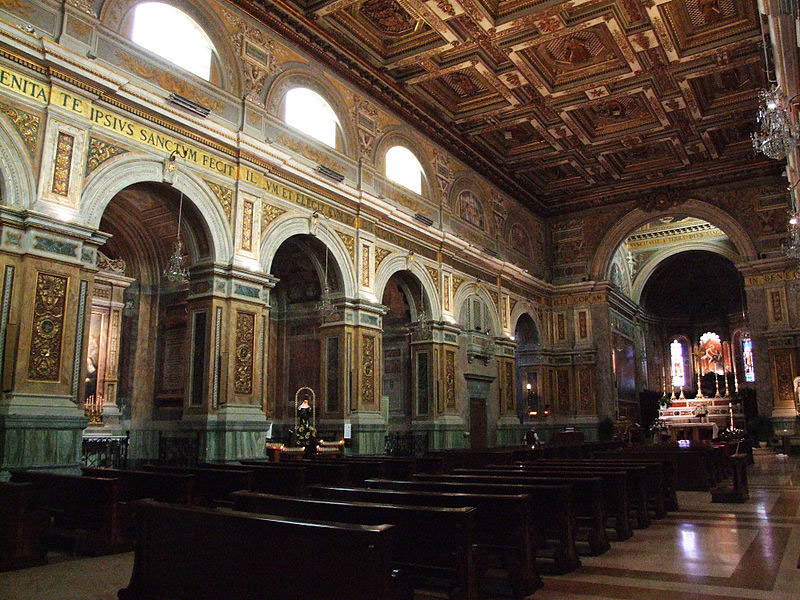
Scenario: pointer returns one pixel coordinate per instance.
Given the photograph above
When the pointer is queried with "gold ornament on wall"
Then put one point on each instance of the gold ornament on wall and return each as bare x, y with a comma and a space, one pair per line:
99, 152
63, 163
245, 335
450, 379
268, 214
247, 225
368, 369
224, 195
44, 362
27, 125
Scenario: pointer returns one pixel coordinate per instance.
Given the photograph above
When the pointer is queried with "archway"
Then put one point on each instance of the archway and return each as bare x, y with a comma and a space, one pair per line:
407, 377
139, 337
307, 341
527, 356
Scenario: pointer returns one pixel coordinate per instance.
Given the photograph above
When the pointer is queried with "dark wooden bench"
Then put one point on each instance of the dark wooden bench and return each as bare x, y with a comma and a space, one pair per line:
614, 489
502, 526
196, 553
433, 545
288, 479
587, 502
212, 485
20, 528
693, 468
553, 528
82, 512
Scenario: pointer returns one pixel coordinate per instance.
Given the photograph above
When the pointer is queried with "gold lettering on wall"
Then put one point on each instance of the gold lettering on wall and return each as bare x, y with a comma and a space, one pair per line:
245, 335
44, 362
368, 369
63, 163
450, 379
247, 226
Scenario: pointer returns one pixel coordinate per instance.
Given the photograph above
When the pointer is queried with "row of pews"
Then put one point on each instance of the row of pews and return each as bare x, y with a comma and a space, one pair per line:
455, 524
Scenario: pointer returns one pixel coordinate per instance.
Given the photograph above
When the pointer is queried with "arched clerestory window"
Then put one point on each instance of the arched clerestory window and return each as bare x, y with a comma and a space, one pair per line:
174, 36
306, 110
403, 167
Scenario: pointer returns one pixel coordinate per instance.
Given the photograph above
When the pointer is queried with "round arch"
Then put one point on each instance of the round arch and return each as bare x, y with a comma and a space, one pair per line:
301, 76
126, 170
288, 226
399, 137
18, 179
601, 261
396, 263
639, 283
114, 14
471, 289
526, 309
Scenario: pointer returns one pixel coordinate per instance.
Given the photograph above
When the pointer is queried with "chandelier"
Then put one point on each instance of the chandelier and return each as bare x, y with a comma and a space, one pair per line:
775, 136
791, 246
175, 271
325, 305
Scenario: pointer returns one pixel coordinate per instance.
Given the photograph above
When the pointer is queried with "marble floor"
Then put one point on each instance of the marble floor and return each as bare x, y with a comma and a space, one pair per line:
704, 551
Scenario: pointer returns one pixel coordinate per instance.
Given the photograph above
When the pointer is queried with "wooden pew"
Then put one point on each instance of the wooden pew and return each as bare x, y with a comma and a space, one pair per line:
587, 500
552, 518
195, 553
433, 545
20, 528
288, 479
212, 485
693, 467
502, 525
614, 489
81, 511
651, 473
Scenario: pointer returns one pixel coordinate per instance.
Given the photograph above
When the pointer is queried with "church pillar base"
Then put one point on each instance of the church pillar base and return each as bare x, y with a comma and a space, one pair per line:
368, 431
40, 432
234, 433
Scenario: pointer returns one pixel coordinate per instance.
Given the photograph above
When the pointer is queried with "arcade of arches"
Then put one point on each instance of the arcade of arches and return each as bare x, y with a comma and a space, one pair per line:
463, 315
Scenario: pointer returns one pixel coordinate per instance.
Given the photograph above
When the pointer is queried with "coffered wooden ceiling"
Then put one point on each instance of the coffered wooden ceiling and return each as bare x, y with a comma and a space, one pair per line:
565, 105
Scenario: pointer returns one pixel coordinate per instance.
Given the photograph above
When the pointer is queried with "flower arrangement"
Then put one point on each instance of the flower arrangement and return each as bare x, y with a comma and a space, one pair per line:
665, 401
305, 433
731, 433
659, 426
700, 411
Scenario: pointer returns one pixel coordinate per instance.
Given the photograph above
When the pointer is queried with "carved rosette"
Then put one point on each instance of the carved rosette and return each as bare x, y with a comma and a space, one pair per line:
450, 379
368, 369
44, 362
245, 336
99, 152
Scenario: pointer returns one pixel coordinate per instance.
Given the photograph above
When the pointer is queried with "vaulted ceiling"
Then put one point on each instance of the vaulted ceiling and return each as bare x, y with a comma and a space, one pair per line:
565, 105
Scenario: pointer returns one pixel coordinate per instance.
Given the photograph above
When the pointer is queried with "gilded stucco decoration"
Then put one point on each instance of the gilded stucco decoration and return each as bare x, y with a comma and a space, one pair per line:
44, 362
268, 214
245, 336
85, 6
310, 152
368, 369
26, 124
434, 273
247, 225
512, 303
446, 292
349, 243
508, 385
20, 7
65, 145
99, 152
365, 264
380, 255
365, 116
168, 81
495, 298
457, 281
224, 195
450, 379
586, 393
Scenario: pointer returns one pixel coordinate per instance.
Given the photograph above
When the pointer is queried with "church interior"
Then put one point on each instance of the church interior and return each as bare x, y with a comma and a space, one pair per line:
543, 250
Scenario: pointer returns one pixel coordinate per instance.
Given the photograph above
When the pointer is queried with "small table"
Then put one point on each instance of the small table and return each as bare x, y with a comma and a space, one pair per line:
693, 431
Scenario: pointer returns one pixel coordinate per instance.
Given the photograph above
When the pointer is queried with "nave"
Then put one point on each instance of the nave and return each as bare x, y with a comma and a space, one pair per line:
702, 551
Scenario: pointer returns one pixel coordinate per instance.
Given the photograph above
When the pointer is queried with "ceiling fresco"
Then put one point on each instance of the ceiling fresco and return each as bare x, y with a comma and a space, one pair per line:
565, 105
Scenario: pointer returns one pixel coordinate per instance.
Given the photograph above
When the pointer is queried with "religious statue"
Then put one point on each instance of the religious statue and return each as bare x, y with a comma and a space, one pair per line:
305, 433
797, 393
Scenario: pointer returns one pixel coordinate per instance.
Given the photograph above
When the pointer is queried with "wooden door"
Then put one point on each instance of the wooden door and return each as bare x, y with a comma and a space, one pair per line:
477, 422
